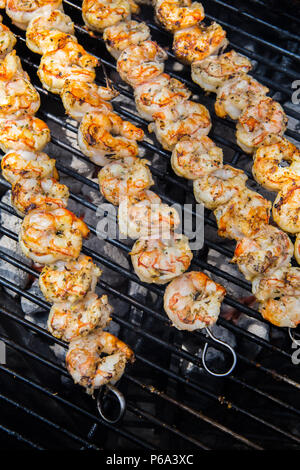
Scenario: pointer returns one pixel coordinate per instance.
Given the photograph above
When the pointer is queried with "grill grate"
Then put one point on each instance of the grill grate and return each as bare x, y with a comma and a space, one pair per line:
171, 401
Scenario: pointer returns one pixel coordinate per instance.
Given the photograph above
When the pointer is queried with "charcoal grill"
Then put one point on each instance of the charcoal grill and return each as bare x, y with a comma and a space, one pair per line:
172, 403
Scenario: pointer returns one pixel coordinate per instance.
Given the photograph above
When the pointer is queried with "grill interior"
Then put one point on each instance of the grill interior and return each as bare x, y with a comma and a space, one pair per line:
172, 403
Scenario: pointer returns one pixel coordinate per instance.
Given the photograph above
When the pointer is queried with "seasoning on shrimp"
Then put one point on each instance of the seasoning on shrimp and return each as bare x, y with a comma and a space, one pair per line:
23, 163
192, 301
159, 260
181, 121
145, 215
194, 158
214, 71
47, 236
178, 14
69, 281
28, 133
97, 359
276, 163
33, 193
198, 42
68, 321
140, 63
48, 32
260, 119
103, 136
124, 34
220, 186
263, 253
124, 178
80, 98
158, 94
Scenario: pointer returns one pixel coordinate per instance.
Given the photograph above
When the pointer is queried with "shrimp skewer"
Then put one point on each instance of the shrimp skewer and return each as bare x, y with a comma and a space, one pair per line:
50, 234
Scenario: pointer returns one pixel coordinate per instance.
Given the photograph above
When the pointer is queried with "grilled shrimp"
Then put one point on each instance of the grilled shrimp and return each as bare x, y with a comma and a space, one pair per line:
105, 136
282, 312
91, 370
260, 119
122, 35
144, 215
33, 193
193, 301
268, 168
286, 207
140, 63
214, 71
29, 133
242, 216
124, 178
70, 61
181, 121
69, 281
219, 187
178, 14
236, 94
283, 282
46, 32
18, 98
7, 40
100, 14
198, 42
26, 164
49, 236
159, 94
262, 254
80, 98
67, 321
158, 260
195, 158
22, 11
10, 67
